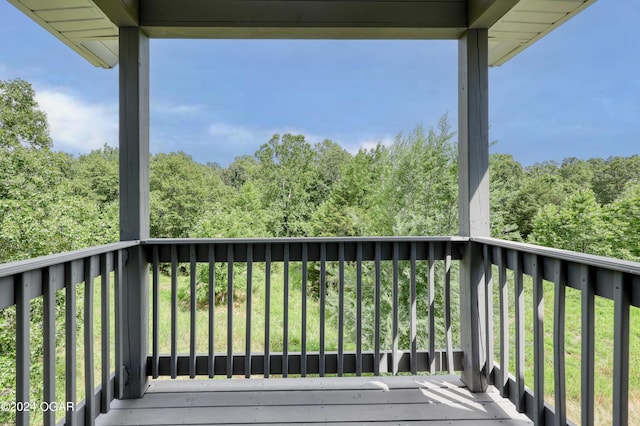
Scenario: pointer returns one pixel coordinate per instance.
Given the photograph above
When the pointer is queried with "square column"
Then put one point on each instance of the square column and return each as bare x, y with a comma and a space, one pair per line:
473, 185
134, 209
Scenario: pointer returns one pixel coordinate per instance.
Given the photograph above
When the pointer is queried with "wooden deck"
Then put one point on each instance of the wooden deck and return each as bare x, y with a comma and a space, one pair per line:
433, 400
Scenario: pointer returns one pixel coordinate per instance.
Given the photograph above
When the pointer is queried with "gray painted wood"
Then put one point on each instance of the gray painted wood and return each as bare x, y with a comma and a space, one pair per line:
396, 311
587, 357
485, 13
106, 262
560, 390
447, 310
620, 352
23, 349
538, 342
323, 301
285, 315
193, 309
520, 337
134, 202
432, 308
229, 310
90, 407
174, 312
353, 400
303, 319
70, 342
118, 334
359, 309
473, 183
413, 315
248, 308
267, 311
49, 344
378, 294
489, 343
341, 310
504, 324
304, 19
156, 312
212, 308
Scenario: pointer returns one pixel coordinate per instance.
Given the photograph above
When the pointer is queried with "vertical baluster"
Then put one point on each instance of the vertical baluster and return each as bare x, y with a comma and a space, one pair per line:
432, 309
49, 328
488, 274
117, 290
376, 338
504, 324
620, 350
192, 311
212, 309
341, 310
323, 278
447, 308
70, 342
285, 332
89, 408
519, 302
588, 344
105, 332
156, 313
359, 309
267, 310
559, 280
229, 311
396, 319
174, 311
413, 320
23, 350
538, 341
247, 341
303, 336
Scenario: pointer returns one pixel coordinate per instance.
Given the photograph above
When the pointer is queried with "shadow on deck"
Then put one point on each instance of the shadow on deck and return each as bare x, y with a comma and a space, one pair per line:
436, 400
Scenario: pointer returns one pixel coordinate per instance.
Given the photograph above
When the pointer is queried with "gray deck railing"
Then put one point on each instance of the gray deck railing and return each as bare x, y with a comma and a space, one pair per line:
368, 256
348, 266
21, 283
612, 279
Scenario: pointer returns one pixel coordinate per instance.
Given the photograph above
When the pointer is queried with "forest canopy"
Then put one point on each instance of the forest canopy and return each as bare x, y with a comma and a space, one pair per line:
52, 201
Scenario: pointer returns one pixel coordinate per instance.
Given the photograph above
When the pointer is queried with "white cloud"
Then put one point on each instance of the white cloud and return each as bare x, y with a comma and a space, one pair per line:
247, 137
170, 108
368, 143
78, 126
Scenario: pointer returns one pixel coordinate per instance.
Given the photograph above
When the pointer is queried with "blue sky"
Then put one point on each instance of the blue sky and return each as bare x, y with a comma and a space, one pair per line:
574, 93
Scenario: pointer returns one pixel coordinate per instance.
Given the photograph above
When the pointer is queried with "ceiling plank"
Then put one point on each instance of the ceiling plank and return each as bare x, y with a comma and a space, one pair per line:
485, 13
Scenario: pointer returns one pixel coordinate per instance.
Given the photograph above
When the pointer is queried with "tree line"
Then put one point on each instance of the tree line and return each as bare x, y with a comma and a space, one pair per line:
52, 201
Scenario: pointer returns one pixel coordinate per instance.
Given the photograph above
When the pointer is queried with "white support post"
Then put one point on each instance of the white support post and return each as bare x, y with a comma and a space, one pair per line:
473, 184
134, 204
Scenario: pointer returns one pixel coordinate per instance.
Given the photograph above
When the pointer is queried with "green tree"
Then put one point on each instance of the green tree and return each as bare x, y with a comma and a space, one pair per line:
181, 191
576, 225
287, 173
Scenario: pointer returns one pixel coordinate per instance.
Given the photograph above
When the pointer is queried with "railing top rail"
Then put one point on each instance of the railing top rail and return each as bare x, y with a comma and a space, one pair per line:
626, 266
13, 268
298, 240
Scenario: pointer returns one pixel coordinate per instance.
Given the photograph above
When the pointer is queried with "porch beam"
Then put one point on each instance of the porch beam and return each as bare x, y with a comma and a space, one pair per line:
473, 181
123, 13
485, 13
304, 18
134, 203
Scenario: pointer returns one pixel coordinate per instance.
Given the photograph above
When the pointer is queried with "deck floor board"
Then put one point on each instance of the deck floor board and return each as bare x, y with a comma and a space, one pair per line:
433, 400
